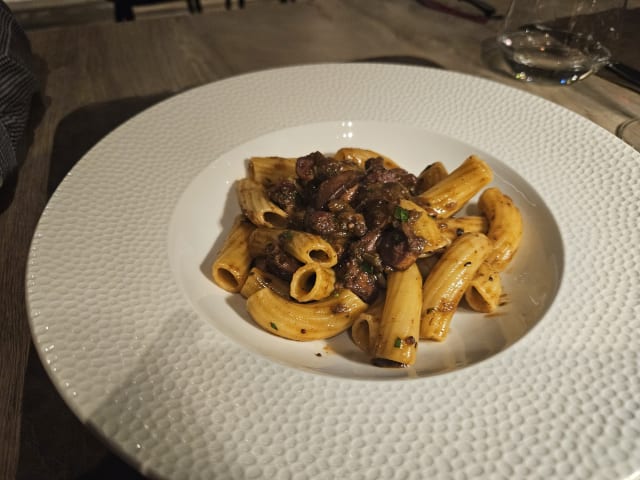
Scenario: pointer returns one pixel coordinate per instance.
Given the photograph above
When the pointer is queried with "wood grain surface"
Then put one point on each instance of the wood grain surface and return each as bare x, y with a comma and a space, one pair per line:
96, 76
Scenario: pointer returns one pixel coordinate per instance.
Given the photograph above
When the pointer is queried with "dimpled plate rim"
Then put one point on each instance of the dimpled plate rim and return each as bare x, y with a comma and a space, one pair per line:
180, 400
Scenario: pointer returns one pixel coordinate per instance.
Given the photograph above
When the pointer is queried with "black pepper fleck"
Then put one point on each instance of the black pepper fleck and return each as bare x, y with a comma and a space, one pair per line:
339, 308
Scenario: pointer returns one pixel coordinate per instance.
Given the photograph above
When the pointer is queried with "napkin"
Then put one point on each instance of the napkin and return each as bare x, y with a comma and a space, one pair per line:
18, 84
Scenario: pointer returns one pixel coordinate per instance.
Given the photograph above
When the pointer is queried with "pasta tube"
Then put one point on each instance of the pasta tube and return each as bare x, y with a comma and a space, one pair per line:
483, 294
397, 339
305, 247
451, 193
312, 281
271, 170
505, 231
308, 248
431, 175
426, 228
230, 269
359, 156
455, 226
447, 282
259, 279
505, 226
255, 204
364, 330
305, 321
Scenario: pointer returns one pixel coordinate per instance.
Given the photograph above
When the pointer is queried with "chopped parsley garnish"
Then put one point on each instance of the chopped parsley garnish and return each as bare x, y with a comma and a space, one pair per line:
274, 326
397, 343
401, 214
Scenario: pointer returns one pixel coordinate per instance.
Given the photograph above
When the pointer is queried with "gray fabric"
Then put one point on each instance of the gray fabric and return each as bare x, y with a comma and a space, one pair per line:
7, 154
17, 87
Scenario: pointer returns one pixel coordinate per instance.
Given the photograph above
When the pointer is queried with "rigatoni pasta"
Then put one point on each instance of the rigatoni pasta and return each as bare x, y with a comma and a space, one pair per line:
447, 282
306, 247
431, 175
450, 194
354, 242
399, 329
505, 226
271, 170
505, 231
232, 264
364, 330
312, 281
305, 321
257, 207
485, 290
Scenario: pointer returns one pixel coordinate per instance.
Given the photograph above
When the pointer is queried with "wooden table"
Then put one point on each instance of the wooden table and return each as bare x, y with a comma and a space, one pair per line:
96, 76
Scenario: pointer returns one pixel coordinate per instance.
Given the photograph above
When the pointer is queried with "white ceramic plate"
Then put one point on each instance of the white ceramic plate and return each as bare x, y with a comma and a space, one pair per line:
171, 371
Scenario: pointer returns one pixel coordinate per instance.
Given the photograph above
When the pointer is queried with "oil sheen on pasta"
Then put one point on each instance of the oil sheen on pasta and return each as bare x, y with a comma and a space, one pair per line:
353, 241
